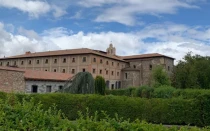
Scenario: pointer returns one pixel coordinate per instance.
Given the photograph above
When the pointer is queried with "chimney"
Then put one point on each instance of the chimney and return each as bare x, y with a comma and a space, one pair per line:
28, 52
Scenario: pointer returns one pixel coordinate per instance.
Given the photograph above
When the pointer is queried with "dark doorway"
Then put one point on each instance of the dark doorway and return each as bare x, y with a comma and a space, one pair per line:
34, 89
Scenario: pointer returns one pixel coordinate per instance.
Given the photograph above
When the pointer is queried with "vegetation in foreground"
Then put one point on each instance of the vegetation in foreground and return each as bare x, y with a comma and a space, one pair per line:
26, 115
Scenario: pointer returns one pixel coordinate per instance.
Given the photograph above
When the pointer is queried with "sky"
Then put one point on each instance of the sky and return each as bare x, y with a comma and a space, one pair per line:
169, 27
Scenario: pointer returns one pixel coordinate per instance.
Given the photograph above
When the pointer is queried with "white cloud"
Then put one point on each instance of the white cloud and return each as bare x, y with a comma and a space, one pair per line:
34, 8
170, 39
126, 11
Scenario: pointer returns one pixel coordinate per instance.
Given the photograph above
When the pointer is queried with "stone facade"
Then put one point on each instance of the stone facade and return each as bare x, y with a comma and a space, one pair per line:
43, 86
12, 81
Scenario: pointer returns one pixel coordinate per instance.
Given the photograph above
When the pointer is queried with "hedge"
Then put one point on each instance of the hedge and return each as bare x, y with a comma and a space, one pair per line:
176, 111
160, 92
26, 115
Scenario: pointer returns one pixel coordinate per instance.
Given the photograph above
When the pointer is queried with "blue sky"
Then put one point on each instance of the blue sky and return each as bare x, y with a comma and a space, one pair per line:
170, 27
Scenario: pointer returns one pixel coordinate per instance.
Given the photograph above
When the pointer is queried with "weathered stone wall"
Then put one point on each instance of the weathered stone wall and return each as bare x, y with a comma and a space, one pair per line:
146, 65
12, 81
42, 86
132, 79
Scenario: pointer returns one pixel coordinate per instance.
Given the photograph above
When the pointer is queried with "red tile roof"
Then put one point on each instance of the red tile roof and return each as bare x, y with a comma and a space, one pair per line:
65, 52
40, 75
144, 56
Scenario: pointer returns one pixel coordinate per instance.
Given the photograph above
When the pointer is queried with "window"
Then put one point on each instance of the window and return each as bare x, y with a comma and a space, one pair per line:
37, 61
1, 64
168, 68
55, 61
14, 63
34, 88
94, 59
112, 63
118, 73
64, 70
134, 66
7, 63
83, 70
48, 88
118, 64
101, 61
107, 72
73, 60
64, 60
100, 71
22, 62
60, 87
84, 59
73, 71
45, 70
150, 67
94, 71
126, 75
55, 70
107, 62
112, 72
29, 62
46, 61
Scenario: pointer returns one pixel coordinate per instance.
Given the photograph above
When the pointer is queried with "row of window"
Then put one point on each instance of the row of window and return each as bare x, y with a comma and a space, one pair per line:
84, 59
83, 70
34, 88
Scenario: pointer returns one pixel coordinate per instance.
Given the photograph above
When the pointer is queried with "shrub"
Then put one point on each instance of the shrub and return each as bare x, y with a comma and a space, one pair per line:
100, 85
160, 77
163, 92
167, 111
29, 116
144, 91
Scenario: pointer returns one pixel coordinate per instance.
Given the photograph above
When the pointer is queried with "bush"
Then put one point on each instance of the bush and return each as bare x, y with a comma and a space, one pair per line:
29, 116
160, 77
163, 92
168, 111
144, 92
100, 85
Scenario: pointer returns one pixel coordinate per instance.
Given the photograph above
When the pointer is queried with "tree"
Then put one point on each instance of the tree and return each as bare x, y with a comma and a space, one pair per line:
100, 85
192, 72
160, 77
81, 83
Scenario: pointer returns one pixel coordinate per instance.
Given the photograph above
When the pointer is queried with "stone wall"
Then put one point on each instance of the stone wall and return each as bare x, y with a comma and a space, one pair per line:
130, 78
42, 86
12, 81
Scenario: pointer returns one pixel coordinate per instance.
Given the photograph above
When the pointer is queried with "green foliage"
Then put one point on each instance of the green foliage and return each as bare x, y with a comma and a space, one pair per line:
91, 123
100, 85
144, 91
192, 72
163, 92
167, 111
160, 77
83, 83
15, 115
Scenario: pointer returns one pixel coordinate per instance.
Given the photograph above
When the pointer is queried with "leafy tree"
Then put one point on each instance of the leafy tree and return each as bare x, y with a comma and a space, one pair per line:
100, 85
81, 83
160, 77
192, 72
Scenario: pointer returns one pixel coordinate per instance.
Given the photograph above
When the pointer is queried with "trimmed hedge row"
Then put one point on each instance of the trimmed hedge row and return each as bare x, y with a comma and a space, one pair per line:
176, 111
160, 92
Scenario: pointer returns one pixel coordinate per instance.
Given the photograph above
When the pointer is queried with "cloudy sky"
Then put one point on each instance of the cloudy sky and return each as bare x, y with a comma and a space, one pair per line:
170, 27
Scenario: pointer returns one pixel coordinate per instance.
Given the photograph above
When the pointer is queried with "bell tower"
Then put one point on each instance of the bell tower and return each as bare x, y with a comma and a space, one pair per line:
111, 50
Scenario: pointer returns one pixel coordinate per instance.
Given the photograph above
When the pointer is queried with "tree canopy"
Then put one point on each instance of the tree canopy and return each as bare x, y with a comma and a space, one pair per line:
192, 72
